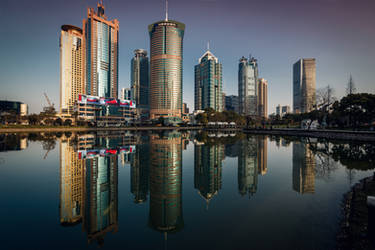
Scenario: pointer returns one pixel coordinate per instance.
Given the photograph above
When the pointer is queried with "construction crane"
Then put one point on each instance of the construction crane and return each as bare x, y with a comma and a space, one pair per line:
50, 109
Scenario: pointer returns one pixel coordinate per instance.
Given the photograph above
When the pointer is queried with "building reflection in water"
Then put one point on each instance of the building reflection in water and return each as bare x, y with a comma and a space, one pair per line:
139, 170
89, 182
248, 166
262, 155
208, 169
166, 182
303, 168
72, 183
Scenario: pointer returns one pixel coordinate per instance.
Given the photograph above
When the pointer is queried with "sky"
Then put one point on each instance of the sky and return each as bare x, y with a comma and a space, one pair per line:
340, 34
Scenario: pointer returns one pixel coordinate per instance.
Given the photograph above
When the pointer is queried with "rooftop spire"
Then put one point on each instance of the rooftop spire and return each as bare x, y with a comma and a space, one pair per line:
208, 45
166, 10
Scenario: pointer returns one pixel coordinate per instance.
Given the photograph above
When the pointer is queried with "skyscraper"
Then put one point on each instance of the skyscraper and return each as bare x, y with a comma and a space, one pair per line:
166, 38
140, 78
126, 94
262, 97
208, 83
101, 36
231, 103
304, 85
71, 67
247, 86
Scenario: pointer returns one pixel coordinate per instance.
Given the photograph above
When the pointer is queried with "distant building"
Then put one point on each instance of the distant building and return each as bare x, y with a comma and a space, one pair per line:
208, 83
101, 42
140, 79
71, 67
278, 110
304, 85
166, 39
262, 97
231, 103
285, 110
11, 107
223, 101
185, 109
247, 86
126, 94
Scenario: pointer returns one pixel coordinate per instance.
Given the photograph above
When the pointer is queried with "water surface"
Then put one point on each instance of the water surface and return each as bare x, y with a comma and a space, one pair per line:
173, 190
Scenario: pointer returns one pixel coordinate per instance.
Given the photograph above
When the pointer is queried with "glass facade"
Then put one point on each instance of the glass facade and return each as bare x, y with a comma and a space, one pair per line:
101, 38
304, 85
140, 78
247, 86
166, 46
208, 83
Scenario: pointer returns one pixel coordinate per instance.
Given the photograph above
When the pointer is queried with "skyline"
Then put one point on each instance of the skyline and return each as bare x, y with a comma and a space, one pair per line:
342, 39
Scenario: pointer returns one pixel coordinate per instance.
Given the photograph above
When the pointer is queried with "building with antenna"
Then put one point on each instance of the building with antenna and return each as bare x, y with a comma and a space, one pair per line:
208, 82
140, 79
166, 46
101, 53
247, 86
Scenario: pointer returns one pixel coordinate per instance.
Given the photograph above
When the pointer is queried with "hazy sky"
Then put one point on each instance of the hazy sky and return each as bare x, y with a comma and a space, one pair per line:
340, 34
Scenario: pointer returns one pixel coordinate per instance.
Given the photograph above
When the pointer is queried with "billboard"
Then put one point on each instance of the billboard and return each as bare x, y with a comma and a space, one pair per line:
96, 100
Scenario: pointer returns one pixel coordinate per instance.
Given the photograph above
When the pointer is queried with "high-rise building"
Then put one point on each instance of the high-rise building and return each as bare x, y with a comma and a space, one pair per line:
208, 83
126, 94
140, 79
247, 86
101, 53
278, 110
166, 39
231, 103
71, 67
304, 85
262, 97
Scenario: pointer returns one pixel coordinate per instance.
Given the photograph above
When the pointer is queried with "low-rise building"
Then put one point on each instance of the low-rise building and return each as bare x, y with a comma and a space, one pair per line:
106, 112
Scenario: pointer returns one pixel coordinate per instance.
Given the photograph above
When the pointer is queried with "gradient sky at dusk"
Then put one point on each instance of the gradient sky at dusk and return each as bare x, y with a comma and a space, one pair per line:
340, 34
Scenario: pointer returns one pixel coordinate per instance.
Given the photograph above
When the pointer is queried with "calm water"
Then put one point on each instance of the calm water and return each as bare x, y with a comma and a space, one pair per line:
174, 190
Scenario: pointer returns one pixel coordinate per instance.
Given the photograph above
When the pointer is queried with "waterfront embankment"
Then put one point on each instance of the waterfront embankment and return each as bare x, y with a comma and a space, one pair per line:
355, 230
318, 133
87, 129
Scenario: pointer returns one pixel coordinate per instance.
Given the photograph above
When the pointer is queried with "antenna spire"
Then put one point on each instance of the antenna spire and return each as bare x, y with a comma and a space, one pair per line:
166, 10
208, 45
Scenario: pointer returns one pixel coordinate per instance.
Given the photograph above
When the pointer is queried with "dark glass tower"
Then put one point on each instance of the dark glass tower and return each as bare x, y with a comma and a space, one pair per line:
140, 78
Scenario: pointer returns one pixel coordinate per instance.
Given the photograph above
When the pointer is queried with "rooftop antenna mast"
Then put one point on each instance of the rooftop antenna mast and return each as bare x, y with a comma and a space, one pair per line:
208, 45
166, 10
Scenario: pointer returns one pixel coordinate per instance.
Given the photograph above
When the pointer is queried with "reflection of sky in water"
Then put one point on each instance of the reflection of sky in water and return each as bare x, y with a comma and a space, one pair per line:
275, 215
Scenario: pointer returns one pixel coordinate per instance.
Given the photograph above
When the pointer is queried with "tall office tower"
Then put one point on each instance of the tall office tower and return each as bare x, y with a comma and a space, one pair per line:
166, 182
303, 168
208, 83
247, 167
166, 39
263, 97
101, 42
139, 171
278, 110
208, 170
262, 155
285, 110
185, 109
304, 85
71, 67
247, 86
72, 185
126, 94
140, 78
